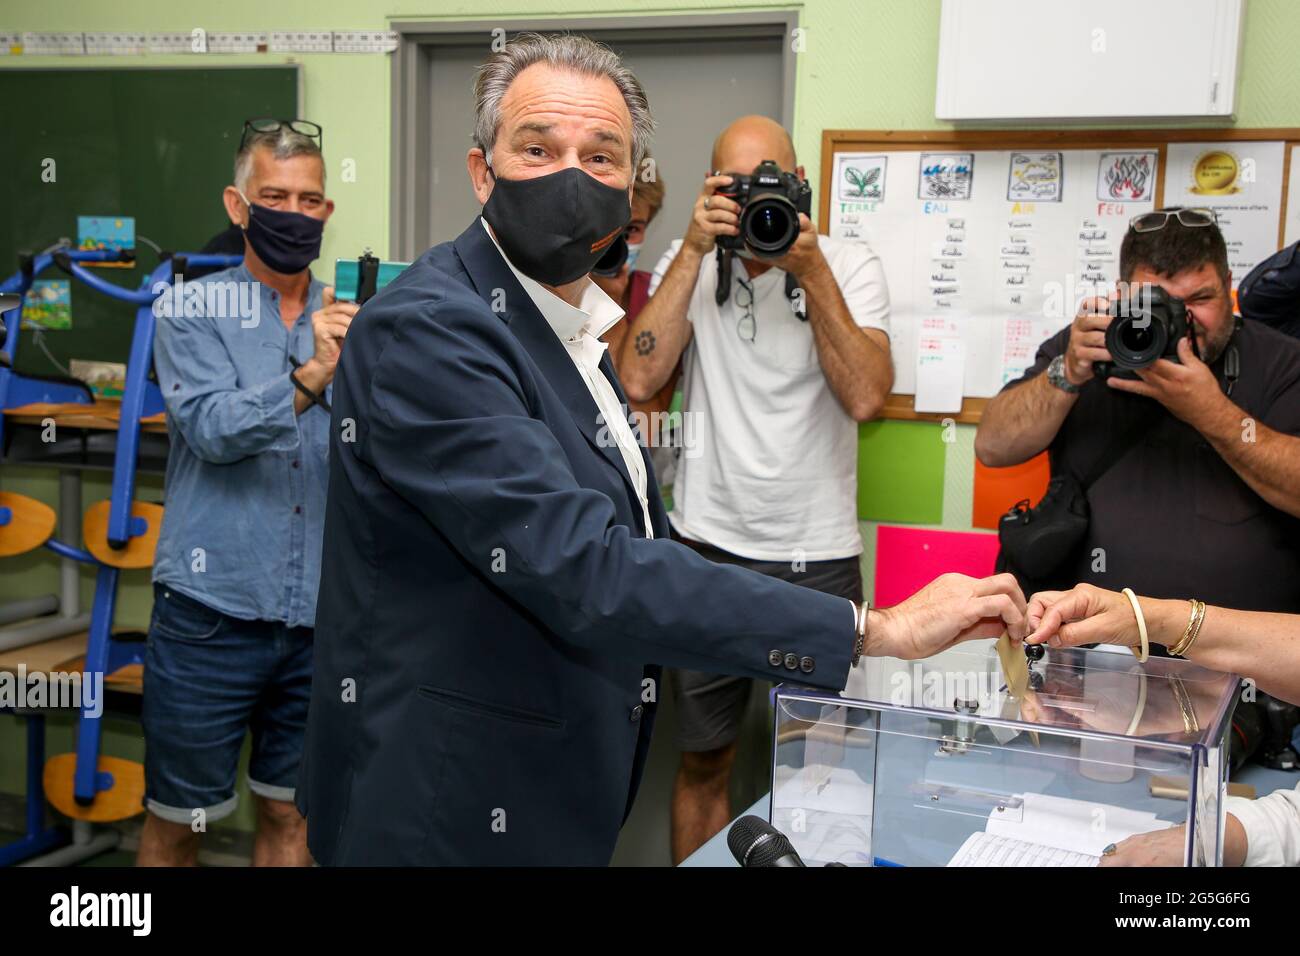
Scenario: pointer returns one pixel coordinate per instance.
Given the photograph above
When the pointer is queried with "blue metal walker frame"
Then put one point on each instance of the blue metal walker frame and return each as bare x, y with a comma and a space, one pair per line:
141, 398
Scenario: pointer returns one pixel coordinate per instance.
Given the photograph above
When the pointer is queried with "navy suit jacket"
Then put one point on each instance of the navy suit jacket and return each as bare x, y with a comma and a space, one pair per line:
492, 619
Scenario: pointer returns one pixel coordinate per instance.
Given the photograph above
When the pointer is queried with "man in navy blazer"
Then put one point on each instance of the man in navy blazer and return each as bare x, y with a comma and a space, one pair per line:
499, 590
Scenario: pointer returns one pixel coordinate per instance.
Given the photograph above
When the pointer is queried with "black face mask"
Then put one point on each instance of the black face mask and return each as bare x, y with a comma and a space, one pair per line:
287, 242
554, 228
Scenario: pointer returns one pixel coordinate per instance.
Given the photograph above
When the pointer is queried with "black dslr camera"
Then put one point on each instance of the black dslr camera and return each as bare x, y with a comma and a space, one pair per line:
1146, 326
770, 202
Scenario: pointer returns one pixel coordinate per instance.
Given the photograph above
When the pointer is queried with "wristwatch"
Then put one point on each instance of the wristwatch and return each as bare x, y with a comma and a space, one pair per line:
1056, 375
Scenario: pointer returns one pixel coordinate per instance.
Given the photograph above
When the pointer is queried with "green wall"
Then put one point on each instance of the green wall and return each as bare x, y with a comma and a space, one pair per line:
866, 64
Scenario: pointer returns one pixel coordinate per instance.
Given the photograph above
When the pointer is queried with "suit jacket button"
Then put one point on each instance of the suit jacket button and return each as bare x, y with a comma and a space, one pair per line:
806, 664
637, 711
792, 662
774, 658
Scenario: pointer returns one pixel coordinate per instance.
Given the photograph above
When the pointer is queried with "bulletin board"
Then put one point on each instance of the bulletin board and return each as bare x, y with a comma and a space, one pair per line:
989, 238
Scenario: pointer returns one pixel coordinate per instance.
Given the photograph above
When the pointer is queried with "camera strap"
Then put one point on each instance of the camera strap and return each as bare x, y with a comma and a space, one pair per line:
1231, 369
793, 293
315, 398
723, 291
1113, 453
1232, 359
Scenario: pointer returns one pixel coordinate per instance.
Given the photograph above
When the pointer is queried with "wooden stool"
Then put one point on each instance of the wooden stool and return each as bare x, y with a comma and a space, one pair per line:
124, 799
139, 550
30, 524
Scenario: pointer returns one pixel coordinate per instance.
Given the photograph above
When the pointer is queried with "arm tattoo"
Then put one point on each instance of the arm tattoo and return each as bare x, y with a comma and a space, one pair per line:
645, 342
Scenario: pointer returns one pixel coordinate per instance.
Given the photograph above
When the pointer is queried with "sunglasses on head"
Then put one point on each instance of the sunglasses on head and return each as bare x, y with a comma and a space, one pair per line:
1192, 218
267, 125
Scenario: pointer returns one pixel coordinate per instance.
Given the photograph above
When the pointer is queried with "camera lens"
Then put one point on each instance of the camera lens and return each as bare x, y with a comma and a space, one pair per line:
1135, 340
770, 226
1138, 339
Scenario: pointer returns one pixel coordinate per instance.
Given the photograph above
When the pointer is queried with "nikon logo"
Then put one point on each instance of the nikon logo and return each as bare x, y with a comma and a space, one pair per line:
102, 909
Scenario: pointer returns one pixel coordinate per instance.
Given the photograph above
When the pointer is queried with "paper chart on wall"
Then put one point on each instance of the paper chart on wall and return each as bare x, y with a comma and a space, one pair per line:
993, 248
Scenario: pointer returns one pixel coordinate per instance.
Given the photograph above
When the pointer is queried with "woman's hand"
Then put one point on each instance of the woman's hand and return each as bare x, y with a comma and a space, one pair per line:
1082, 615
1166, 847
1157, 848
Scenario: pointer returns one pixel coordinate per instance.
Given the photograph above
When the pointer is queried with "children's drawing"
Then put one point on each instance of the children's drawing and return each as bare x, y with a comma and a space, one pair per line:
1034, 177
1126, 177
861, 178
946, 175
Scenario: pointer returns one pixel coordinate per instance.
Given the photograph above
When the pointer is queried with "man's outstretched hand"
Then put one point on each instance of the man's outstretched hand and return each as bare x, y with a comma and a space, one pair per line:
950, 609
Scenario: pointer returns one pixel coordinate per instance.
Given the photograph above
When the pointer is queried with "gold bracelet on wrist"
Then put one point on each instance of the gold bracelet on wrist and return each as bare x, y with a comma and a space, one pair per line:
1196, 629
1182, 638
1193, 630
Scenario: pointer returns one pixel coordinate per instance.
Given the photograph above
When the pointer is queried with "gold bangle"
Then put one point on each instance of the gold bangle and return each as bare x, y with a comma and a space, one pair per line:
1182, 638
1198, 618
1196, 630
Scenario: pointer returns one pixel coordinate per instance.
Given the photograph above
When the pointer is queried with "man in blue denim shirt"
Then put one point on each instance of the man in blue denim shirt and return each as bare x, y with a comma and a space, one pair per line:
244, 358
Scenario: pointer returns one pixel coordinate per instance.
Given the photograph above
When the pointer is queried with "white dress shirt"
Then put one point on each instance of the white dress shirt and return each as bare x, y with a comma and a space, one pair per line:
579, 330
1272, 825
770, 467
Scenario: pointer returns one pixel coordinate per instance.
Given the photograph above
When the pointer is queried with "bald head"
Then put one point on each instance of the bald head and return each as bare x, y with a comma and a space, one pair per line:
750, 140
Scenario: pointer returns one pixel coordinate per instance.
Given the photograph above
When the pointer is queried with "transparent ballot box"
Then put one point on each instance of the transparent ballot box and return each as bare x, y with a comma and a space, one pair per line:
949, 761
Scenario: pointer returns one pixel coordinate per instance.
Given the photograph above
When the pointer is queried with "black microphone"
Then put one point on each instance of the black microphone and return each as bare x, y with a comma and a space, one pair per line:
756, 843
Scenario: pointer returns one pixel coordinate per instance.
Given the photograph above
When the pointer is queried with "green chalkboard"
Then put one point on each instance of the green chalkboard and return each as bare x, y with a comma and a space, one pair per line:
156, 144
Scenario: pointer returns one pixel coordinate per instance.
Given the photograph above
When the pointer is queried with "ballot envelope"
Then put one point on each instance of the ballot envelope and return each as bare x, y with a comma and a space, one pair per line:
977, 757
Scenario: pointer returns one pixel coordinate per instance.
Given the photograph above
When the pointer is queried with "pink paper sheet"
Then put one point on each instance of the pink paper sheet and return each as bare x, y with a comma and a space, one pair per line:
907, 559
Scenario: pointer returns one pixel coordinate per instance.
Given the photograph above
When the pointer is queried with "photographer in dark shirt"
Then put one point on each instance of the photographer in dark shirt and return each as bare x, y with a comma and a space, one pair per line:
1201, 484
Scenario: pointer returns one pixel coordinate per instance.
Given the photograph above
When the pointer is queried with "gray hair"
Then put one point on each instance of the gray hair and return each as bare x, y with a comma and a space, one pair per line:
567, 51
284, 143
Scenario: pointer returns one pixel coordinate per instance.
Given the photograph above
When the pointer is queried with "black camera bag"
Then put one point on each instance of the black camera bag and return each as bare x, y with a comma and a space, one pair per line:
1034, 542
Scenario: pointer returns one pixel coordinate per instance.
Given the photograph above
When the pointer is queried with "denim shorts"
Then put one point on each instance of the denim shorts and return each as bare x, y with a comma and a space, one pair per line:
208, 679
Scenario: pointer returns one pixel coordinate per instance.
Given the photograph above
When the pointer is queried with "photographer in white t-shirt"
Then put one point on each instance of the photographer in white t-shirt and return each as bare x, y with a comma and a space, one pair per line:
775, 379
